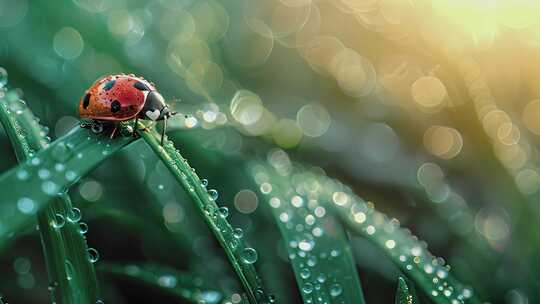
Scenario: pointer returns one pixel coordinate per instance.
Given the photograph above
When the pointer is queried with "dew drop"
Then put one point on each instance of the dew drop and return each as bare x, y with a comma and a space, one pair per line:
59, 167
249, 255
167, 281
305, 273
74, 215
238, 233
44, 173
210, 297
335, 290
307, 288
69, 271
60, 152
204, 182
83, 228
35, 161
26, 205
23, 174
50, 188
213, 194
3, 77
223, 212
59, 221
305, 245
93, 255
71, 176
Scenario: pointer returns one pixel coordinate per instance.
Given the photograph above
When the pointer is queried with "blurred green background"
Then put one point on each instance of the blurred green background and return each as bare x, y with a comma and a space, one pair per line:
427, 108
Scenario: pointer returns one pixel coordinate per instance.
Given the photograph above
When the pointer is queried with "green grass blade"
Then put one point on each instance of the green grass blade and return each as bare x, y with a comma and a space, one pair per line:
71, 275
428, 272
50, 172
403, 294
321, 256
186, 287
240, 256
183, 239
405, 250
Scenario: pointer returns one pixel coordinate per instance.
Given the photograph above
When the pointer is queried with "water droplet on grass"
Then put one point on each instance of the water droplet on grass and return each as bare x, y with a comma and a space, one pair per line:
335, 290
204, 182
213, 194
238, 233
44, 173
210, 296
74, 215
23, 174
167, 281
71, 176
3, 77
26, 205
35, 161
59, 221
83, 228
223, 212
69, 271
61, 152
307, 288
249, 255
93, 255
50, 188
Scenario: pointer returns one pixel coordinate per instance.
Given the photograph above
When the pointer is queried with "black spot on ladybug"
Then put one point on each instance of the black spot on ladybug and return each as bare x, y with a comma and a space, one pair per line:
86, 101
109, 85
115, 106
141, 86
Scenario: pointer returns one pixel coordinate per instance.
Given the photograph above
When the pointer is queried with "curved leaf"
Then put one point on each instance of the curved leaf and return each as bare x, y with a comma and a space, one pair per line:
317, 245
71, 275
49, 173
240, 256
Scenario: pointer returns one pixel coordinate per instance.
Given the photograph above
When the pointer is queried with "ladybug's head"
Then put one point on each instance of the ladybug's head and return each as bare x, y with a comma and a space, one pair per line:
155, 107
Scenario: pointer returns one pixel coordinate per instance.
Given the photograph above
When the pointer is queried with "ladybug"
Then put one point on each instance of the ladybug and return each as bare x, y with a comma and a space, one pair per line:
117, 98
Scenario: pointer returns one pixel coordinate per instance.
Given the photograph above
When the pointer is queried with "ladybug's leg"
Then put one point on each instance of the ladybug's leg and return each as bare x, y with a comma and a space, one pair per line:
114, 130
163, 130
136, 126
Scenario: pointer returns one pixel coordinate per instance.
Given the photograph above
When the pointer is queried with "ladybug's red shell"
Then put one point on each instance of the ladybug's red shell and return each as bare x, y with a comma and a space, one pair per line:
115, 98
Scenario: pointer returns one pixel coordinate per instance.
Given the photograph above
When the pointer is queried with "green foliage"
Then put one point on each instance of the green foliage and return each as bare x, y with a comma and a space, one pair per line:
404, 249
240, 255
50, 172
375, 92
316, 243
305, 205
71, 273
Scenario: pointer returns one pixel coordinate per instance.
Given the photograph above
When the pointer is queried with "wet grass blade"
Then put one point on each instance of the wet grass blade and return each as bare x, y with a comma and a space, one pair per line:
240, 256
317, 244
186, 287
72, 277
403, 294
431, 274
49, 173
